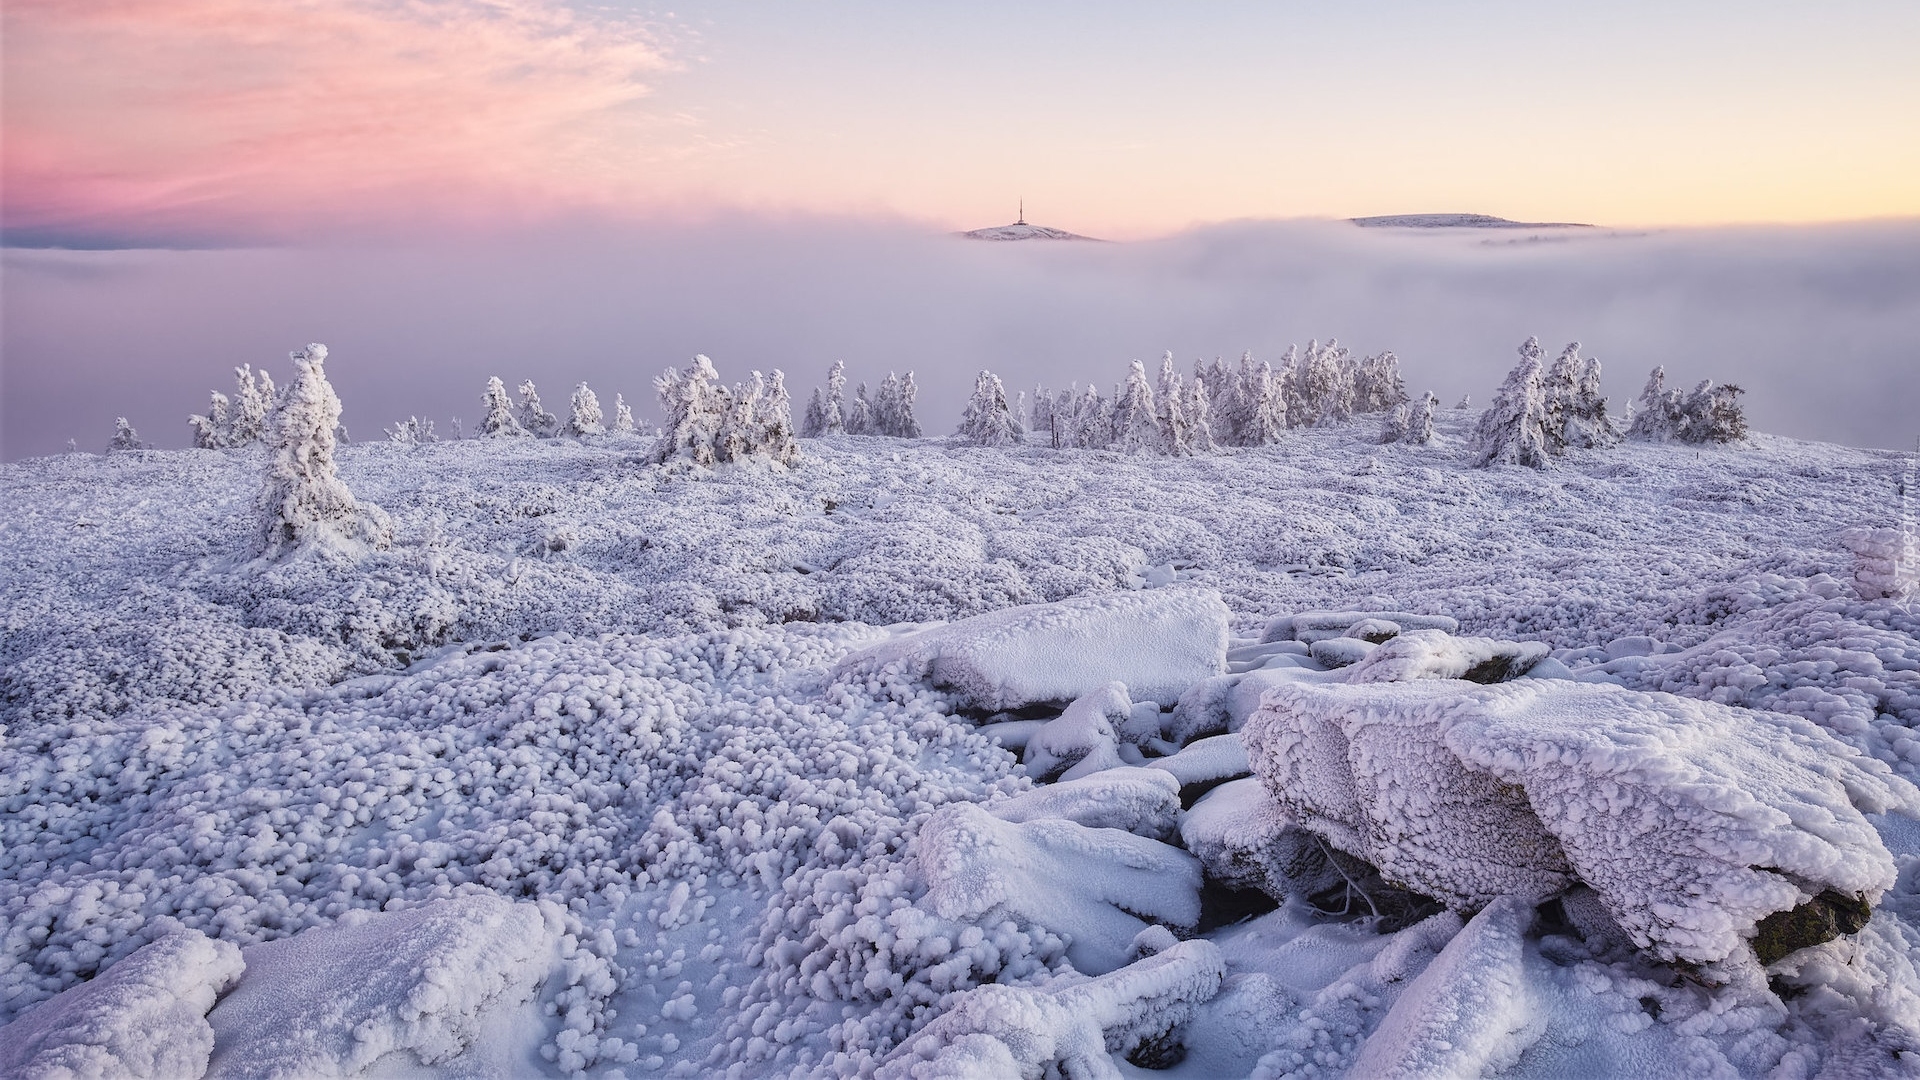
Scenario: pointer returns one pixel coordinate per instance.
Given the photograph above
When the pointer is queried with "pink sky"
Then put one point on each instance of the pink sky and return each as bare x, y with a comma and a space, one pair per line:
220, 121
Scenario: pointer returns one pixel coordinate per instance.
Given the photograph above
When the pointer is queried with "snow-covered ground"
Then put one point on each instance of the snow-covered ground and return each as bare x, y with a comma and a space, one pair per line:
628, 769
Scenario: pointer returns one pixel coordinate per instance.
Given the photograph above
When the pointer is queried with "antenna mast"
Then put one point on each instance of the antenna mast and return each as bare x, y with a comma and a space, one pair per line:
1023, 213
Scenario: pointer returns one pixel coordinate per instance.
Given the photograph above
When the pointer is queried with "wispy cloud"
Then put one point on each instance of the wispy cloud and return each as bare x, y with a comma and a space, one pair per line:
192, 121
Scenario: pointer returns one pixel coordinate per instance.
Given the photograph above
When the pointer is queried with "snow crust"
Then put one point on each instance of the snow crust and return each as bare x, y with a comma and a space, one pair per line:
143, 1017
1156, 642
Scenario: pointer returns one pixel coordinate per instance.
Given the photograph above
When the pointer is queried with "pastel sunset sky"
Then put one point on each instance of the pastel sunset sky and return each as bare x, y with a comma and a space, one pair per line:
220, 122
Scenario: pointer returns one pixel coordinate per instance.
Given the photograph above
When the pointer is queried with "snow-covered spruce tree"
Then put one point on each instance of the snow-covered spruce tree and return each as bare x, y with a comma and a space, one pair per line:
696, 407
303, 502
815, 424
1576, 409
836, 407
1093, 421
212, 431
1136, 423
1321, 388
1377, 386
1513, 431
1266, 405
622, 416
533, 416
1465, 402
252, 404
1040, 415
1199, 420
1171, 411
583, 415
987, 419
498, 420
860, 415
1409, 422
1712, 414
909, 393
776, 422
124, 437
740, 432
1656, 414
886, 406
412, 432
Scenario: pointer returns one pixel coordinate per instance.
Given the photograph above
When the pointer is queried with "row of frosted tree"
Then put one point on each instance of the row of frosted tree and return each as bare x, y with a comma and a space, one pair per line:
1542, 410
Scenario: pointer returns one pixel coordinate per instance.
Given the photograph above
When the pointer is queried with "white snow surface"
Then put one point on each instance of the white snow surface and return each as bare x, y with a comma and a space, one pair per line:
1155, 642
144, 1017
617, 694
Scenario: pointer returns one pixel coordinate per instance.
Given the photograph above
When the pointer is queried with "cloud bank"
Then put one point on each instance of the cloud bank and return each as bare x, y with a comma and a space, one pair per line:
1821, 324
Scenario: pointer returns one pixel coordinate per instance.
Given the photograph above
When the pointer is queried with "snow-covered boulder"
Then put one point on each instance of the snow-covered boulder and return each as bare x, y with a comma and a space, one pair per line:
1885, 563
1694, 821
1207, 761
426, 981
1311, 626
1244, 840
1082, 740
143, 1017
1432, 654
998, 1032
1156, 641
1097, 886
1145, 802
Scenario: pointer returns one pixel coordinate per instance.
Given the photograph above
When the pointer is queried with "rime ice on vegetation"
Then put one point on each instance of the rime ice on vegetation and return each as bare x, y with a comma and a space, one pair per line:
583, 415
498, 419
303, 503
987, 419
924, 759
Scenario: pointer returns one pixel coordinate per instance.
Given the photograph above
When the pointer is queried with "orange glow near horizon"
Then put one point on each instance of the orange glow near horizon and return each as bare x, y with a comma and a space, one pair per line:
227, 121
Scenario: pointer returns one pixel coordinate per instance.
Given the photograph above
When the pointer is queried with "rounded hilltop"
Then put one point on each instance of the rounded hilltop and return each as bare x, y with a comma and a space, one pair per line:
1020, 230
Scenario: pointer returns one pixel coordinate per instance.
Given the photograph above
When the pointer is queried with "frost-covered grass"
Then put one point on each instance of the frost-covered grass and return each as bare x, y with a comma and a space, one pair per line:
608, 686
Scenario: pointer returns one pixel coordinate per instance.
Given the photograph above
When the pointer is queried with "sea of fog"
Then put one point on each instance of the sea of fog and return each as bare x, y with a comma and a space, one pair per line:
1820, 324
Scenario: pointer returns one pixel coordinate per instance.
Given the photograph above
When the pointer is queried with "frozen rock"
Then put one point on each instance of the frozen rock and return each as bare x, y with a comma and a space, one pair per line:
1244, 840
1339, 652
1693, 821
1311, 626
1202, 709
1373, 631
1097, 886
1145, 802
1157, 641
1207, 761
1082, 740
1000, 1032
143, 1017
427, 980
1432, 654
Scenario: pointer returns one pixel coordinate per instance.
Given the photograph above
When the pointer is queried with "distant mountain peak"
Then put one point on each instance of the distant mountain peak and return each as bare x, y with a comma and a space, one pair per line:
1458, 221
1020, 230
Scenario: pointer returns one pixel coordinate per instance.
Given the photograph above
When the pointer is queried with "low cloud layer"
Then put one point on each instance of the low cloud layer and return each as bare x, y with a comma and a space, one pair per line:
1821, 324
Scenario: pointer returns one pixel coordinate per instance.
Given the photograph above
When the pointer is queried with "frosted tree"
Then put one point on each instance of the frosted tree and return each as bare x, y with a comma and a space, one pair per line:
1712, 414
412, 432
860, 416
835, 414
1465, 402
622, 416
1322, 385
1409, 422
303, 502
498, 420
124, 437
459, 432
1576, 408
1199, 422
1171, 410
1656, 414
1136, 423
583, 415
1266, 414
909, 423
212, 431
740, 432
987, 419
1040, 416
776, 422
1377, 386
886, 406
252, 404
696, 407
533, 416
1513, 431
1093, 420
815, 424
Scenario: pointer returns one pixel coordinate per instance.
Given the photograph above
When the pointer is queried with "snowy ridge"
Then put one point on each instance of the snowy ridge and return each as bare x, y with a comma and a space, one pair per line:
1023, 231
